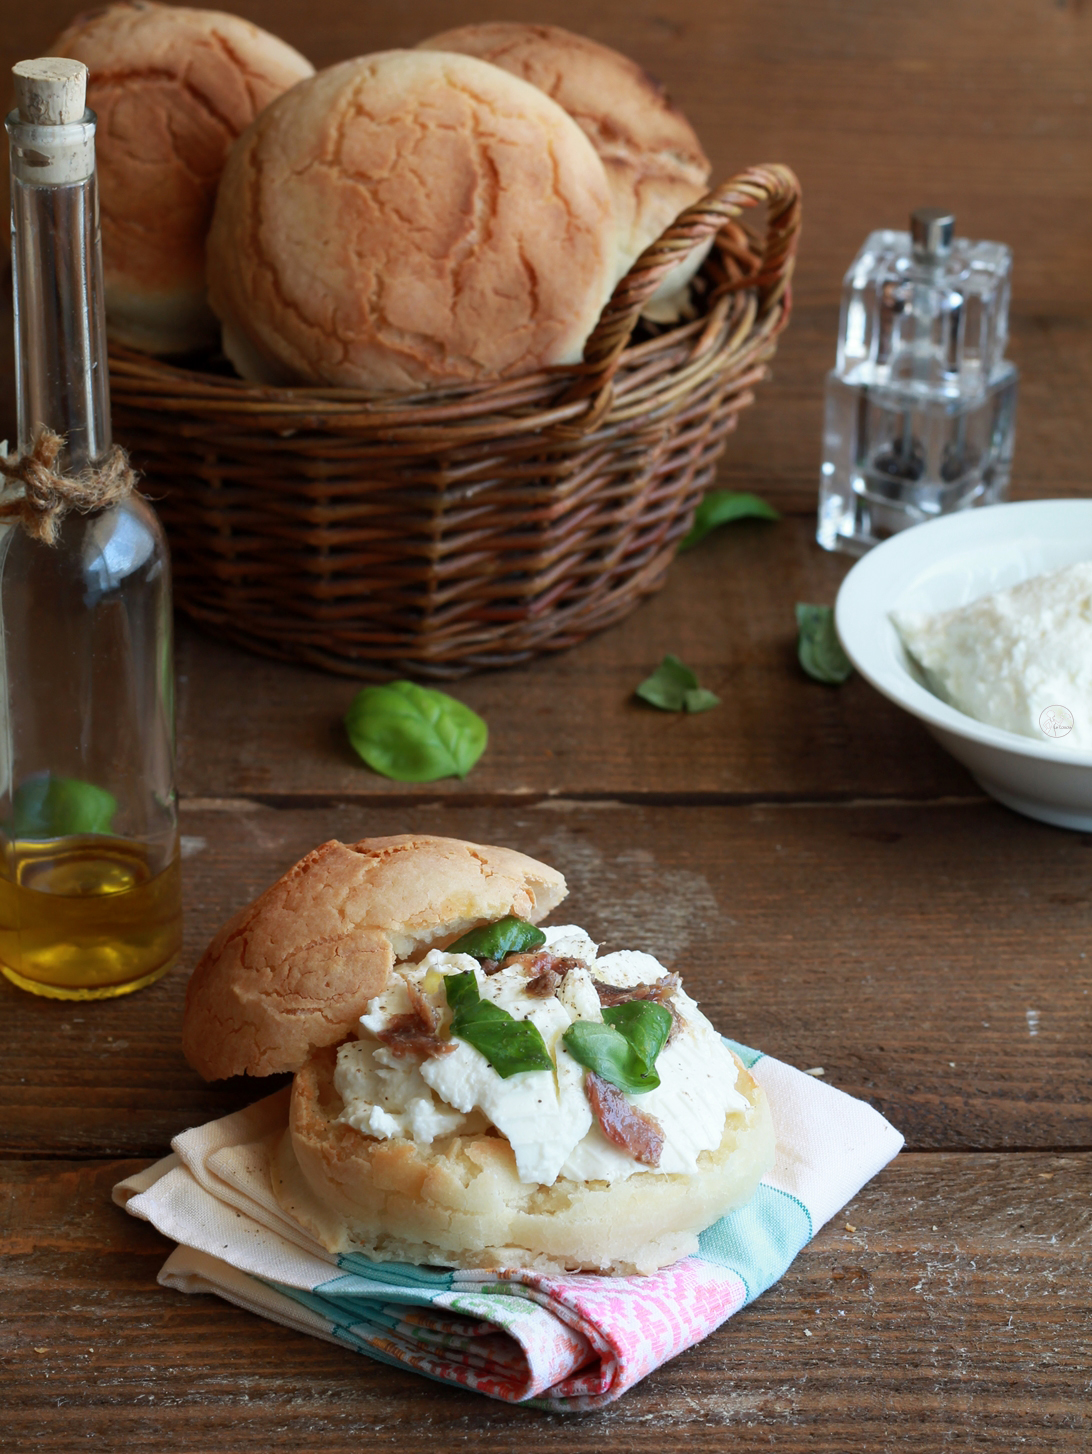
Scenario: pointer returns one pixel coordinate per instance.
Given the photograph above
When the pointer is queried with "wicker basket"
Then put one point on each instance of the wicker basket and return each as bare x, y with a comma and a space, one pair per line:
443, 532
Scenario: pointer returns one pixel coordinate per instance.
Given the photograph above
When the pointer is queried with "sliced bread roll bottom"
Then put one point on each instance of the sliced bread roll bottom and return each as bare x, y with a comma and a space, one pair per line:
460, 1202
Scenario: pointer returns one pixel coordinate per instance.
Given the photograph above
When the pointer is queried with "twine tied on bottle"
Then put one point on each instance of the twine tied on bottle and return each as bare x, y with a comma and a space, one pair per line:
47, 497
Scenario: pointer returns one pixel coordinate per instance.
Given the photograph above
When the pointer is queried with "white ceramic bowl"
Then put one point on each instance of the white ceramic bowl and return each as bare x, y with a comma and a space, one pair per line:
946, 563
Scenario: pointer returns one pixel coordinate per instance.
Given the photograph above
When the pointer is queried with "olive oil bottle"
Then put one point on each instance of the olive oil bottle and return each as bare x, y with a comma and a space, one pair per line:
90, 896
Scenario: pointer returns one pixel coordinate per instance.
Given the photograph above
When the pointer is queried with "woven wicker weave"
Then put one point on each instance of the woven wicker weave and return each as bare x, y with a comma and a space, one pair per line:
443, 532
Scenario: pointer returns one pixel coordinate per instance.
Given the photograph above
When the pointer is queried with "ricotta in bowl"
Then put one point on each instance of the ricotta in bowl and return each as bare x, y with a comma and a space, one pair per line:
951, 566
1019, 658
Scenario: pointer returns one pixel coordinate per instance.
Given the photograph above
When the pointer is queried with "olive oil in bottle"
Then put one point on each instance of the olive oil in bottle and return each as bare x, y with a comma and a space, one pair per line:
90, 902
87, 917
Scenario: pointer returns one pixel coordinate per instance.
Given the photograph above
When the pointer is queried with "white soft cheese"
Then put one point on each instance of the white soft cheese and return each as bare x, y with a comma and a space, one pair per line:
1008, 658
544, 1114
385, 1095
697, 1090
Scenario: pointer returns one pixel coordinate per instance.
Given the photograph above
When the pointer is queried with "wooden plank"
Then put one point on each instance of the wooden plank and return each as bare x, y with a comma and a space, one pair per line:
877, 107
932, 959
955, 1311
570, 724
982, 106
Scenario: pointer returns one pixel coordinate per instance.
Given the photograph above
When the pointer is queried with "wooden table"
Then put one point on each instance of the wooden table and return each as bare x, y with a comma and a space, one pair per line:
838, 890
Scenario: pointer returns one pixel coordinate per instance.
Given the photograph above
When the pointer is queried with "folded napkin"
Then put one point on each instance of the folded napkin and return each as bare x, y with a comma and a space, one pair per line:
567, 1343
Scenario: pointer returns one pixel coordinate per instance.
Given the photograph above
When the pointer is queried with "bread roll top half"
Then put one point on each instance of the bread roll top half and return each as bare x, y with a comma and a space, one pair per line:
410, 219
172, 88
653, 159
295, 970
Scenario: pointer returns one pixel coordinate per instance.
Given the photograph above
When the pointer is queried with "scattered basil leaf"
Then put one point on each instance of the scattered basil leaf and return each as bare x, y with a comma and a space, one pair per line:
604, 1049
818, 648
645, 1024
414, 734
721, 507
698, 699
44, 806
673, 687
510, 1045
494, 941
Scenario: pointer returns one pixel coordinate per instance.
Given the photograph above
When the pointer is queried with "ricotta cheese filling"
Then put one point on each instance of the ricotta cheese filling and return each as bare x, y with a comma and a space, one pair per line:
1014, 658
544, 1114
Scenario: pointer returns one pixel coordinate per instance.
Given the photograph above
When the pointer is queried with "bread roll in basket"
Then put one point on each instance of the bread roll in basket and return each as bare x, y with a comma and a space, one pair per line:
477, 526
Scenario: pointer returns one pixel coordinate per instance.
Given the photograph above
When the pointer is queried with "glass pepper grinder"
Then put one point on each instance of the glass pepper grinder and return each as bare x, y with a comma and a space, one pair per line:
90, 887
921, 405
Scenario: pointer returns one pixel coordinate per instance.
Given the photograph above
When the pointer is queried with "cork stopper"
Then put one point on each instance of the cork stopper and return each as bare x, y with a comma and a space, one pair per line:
52, 132
50, 91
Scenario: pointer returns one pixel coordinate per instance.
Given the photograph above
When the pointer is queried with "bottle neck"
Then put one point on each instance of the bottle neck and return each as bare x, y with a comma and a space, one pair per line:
60, 331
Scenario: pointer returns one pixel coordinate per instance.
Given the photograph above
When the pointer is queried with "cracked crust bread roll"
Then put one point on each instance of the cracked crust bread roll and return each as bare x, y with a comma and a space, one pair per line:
407, 220
453, 1102
654, 161
172, 88
293, 971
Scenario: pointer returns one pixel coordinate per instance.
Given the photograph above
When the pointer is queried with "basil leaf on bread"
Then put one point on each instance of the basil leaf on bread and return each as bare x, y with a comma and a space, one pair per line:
623, 1048
510, 1045
493, 941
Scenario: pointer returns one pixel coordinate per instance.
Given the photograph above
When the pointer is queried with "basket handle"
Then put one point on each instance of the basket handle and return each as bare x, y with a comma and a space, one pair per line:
772, 184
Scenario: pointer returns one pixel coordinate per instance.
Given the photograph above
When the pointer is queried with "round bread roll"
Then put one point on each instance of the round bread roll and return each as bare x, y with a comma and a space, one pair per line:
294, 970
654, 161
410, 219
172, 88
460, 1203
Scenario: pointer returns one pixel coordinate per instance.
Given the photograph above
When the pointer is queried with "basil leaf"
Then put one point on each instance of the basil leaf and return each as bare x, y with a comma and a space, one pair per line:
493, 941
721, 507
700, 700
673, 687
604, 1049
44, 806
461, 989
645, 1024
414, 734
818, 648
510, 1045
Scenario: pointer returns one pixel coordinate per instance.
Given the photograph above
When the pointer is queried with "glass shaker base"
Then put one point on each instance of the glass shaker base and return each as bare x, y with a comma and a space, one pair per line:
853, 523
95, 992
894, 459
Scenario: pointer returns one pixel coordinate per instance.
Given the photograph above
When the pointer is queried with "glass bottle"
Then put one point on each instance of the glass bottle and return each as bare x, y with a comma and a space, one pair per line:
920, 407
90, 887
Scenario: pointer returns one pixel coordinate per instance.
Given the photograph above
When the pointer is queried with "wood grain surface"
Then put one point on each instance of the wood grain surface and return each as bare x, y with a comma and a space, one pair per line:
954, 1313
963, 1013
570, 724
983, 106
837, 890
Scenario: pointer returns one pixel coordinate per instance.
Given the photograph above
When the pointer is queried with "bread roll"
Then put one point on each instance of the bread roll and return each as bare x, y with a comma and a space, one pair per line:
460, 1203
173, 88
410, 219
394, 1147
654, 161
294, 970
